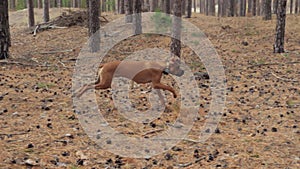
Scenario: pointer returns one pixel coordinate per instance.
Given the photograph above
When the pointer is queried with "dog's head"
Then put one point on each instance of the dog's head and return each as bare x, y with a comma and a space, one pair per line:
174, 67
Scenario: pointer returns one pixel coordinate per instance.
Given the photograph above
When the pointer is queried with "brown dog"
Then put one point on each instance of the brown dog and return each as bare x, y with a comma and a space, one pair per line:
138, 71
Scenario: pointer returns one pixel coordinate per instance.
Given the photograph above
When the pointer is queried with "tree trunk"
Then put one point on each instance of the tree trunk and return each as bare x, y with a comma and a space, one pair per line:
40, 4
4, 30
176, 29
258, 4
202, 6
296, 6
206, 7
94, 25
280, 27
30, 8
46, 11
153, 5
167, 6
250, 2
128, 11
137, 17
12, 4
212, 8
224, 7
103, 5
268, 10
262, 8
275, 6
231, 8
183, 7
195, 6
122, 7
189, 9
242, 7
79, 3
254, 8
59, 3
291, 6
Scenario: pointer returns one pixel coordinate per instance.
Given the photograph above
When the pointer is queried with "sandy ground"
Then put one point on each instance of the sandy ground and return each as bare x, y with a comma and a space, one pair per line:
258, 129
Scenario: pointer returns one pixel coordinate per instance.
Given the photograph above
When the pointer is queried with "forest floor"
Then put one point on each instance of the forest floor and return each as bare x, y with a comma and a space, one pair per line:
260, 127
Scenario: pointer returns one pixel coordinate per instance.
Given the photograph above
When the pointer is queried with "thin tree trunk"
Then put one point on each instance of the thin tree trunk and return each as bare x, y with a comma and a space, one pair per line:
4, 30
176, 29
268, 10
13, 4
137, 17
296, 6
291, 6
189, 9
122, 7
242, 7
231, 8
212, 9
275, 6
202, 6
254, 8
250, 2
79, 3
153, 5
46, 11
280, 27
128, 11
30, 6
206, 7
94, 25
224, 7
258, 5
183, 7
167, 6
195, 6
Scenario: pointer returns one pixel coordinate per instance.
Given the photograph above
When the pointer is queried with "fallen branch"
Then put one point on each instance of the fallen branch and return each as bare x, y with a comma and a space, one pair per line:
31, 65
57, 51
270, 64
283, 79
153, 131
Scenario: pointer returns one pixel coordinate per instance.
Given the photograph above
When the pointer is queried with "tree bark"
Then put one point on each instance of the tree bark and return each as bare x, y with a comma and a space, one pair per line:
153, 5
176, 29
128, 11
137, 17
183, 7
195, 6
296, 6
268, 10
30, 7
254, 8
46, 11
280, 27
202, 6
4, 30
12, 4
275, 6
212, 8
122, 7
242, 7
206, 7
231, 10
291, 6
224, 7
167, 6
189, 8
249, 10
94, 25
